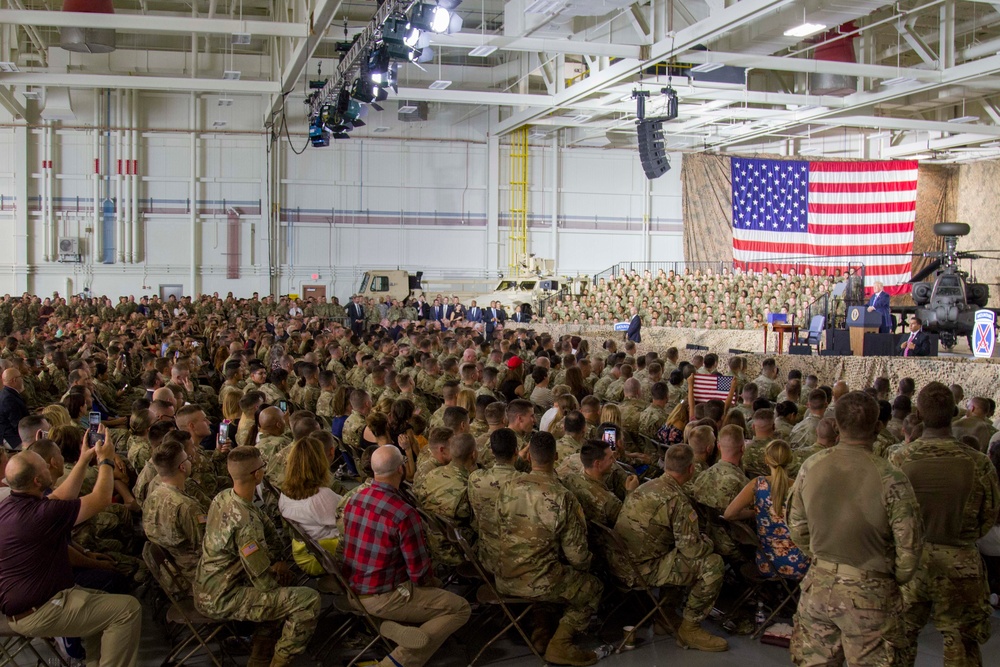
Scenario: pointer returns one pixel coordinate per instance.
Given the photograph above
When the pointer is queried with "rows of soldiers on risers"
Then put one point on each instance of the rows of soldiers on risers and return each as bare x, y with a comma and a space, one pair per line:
695, 298
910, 549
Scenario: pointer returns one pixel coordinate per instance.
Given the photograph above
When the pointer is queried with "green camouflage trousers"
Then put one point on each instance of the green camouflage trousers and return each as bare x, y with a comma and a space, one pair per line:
297, 606
852, 617
949, 587
579, 591
703, 575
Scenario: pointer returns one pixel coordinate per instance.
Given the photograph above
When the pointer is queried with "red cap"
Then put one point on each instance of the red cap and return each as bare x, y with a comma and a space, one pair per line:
514, 362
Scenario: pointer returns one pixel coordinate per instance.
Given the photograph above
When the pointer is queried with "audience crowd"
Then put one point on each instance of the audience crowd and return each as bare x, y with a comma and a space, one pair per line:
694, 299
226, 451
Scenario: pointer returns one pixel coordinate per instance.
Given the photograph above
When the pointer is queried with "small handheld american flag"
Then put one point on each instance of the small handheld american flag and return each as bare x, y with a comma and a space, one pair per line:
708, 387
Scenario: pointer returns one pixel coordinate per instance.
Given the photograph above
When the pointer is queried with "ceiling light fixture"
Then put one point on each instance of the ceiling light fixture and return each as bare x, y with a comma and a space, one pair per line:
898, 81
707, 67
9, 67
240, 39
231, 75
219, 123
482, 51
964, 119
805, 30
225, 102
440, 84
581, 118
380, 129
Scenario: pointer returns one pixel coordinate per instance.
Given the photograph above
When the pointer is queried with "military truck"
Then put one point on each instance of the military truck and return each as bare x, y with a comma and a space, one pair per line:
397, 285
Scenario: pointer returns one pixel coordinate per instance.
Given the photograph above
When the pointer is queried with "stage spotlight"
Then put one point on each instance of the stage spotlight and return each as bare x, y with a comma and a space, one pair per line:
319, 136
397, 30
433, 18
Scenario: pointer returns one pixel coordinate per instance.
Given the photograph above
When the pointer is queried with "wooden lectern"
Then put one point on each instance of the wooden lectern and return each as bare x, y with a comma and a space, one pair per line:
859, 323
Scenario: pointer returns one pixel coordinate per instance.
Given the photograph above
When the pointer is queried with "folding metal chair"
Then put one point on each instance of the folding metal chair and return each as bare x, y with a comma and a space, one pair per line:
746, 535
182, 612
618, 551
348, 604
487, 594
13, 644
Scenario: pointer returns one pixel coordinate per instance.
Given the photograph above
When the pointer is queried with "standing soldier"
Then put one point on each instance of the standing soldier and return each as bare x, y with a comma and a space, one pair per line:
236, 578
862, 549
959, 496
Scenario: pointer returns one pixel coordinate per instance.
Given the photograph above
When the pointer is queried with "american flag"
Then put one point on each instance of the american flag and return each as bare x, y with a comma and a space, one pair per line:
708, 387
822, 215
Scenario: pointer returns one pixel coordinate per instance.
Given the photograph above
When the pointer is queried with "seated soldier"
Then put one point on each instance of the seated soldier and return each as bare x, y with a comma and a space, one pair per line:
238, 578
575, 425
272, 432
753, 454
546, 557
660, 529
444, 491
484, 487
496, 419
171, 518
599, 504
715, 488
804, 433
434, 455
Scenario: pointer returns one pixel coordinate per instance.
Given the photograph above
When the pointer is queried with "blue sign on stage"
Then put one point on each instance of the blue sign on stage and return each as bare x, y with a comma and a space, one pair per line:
621, 326
984, 333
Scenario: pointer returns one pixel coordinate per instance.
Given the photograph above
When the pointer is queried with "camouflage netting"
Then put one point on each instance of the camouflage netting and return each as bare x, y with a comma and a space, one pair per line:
979, 377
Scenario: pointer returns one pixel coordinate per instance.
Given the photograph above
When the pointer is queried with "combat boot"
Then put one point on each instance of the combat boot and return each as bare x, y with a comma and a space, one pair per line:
282, 661
691, 635
661, 628
540, 638
262, 651
562, 651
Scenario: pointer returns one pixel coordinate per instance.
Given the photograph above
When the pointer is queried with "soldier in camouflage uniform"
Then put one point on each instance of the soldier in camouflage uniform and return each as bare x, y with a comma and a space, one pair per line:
545, 554
959, 497
862, 551
239, 579
599, 504
660, 529
720, 484
444, 491
654, 416
753, 453
361, 405
272, 433
484, 488
171, 518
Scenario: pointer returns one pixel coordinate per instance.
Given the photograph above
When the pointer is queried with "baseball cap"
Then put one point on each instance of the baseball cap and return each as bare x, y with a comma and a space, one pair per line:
514, 362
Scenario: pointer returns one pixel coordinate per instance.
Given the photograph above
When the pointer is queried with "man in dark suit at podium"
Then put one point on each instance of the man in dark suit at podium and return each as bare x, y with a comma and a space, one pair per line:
880, 303
634, 327
916, 343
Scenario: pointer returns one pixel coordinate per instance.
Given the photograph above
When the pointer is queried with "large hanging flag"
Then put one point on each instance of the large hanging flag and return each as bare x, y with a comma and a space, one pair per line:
792, 214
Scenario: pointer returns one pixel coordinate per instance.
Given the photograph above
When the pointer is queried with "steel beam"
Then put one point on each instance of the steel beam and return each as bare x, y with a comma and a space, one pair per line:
319, 21
537, 44
809, 65
151, 23
77, 80
10, 103
884, 123
746, 11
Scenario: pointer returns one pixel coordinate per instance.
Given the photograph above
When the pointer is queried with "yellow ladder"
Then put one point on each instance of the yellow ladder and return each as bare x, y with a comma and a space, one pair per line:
518, 239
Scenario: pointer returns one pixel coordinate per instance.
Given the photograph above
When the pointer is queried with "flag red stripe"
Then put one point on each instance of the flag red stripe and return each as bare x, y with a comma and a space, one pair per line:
872, 271
887, 228
889, 165
820, 250
861, 209
888, 186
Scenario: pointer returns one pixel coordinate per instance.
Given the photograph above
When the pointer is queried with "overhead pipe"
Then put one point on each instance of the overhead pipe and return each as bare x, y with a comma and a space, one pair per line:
119, 223
97, 252
43, 196
50, 178
136, 216
126, 180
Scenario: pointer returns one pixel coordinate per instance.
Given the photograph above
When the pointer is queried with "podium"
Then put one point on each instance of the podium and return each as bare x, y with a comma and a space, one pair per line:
859, 323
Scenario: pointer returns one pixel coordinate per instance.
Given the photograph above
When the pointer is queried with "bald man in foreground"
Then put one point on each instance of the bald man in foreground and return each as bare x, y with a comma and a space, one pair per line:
37, 593
387, 564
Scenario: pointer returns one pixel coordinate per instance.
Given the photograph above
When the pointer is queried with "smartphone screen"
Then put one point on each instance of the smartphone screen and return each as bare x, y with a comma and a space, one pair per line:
223, 432
94, 420
610, 436
283, 406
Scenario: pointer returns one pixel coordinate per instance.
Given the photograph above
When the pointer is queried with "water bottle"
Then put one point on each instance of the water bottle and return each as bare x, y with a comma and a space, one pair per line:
761, 616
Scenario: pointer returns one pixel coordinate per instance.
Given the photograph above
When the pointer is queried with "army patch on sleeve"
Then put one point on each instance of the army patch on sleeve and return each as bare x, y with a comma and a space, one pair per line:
249, 550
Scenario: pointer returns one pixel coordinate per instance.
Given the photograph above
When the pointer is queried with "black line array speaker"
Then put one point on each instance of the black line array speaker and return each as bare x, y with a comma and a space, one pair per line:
652, 153
804, 350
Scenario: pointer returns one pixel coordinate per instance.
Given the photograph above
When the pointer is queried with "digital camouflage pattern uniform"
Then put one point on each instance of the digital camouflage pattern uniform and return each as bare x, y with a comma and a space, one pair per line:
862, 551
484, 489
660, 529
175, 521
545, 555
234, 579
444, 491
715, 489
599, 505
959, 498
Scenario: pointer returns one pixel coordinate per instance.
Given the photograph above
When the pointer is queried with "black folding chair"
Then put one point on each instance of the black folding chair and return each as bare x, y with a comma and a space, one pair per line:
349, 604
746, 535
618, 551
200, 628
487, 594
13, 644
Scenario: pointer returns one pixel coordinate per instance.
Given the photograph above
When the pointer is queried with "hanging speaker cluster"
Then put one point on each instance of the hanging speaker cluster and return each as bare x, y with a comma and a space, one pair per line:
652, 153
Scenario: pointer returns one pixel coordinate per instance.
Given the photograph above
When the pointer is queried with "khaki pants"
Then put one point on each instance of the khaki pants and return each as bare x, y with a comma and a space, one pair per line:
108, 624
438, 612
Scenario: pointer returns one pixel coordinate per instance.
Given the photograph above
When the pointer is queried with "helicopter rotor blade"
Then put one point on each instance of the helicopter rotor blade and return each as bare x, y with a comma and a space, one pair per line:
926, 271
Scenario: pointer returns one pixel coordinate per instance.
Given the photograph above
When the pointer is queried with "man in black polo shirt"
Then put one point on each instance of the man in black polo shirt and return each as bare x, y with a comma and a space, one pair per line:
36, 581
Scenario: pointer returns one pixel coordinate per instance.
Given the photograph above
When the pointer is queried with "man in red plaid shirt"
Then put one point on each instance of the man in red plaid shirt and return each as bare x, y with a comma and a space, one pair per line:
387, 564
